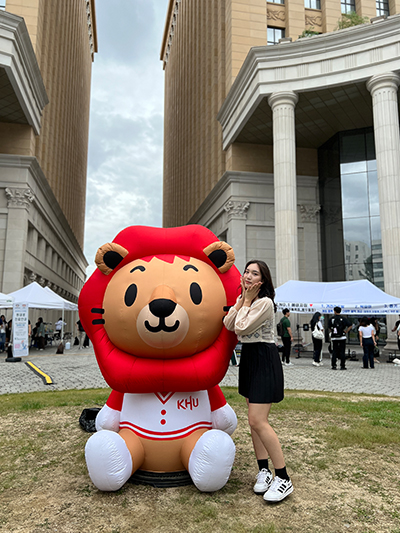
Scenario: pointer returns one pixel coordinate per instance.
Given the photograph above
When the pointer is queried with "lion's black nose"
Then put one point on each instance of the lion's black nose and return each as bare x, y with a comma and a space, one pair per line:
162, 307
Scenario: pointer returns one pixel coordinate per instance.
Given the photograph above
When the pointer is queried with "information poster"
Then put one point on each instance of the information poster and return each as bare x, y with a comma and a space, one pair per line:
20, 330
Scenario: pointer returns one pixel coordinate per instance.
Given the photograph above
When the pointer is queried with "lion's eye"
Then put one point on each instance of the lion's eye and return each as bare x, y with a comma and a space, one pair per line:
195, 293
130, 295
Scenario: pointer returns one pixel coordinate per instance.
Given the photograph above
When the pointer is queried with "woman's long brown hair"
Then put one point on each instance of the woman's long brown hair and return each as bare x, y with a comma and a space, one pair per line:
267, 288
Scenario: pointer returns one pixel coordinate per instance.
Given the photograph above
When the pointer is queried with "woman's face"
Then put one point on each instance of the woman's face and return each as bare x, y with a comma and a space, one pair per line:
252, 275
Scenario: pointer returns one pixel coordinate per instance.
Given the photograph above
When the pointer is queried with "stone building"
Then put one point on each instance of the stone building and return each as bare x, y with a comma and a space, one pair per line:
287, 148
46, 52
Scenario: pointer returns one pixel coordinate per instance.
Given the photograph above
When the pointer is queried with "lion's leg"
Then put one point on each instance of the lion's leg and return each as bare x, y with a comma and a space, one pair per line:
112, 457
210, 459
135, 448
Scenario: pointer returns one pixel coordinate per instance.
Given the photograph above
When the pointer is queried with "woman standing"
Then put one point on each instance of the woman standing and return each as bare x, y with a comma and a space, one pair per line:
3, 326
40, 333
260, 374
366, 333
317, 333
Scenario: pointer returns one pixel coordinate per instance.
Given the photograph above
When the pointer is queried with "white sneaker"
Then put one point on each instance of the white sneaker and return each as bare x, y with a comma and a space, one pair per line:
279, 489
396, 361
315, 364
289, 364
321, 363
264, 480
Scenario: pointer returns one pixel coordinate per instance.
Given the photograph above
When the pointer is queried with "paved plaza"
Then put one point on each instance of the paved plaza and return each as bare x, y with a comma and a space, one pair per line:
78, 369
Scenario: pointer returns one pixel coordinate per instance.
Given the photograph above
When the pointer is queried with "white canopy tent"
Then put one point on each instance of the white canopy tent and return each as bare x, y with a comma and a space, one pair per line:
359, 297
39, 298
67, 305
5, 301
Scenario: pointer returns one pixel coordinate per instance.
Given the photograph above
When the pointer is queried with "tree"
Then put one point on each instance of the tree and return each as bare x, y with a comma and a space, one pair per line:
310, 32
350, 19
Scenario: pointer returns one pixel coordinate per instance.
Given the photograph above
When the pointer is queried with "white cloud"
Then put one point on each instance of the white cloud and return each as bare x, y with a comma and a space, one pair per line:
124, 185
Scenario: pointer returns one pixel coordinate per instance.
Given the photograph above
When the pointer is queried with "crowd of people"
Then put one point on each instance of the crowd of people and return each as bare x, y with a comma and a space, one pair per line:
338, 327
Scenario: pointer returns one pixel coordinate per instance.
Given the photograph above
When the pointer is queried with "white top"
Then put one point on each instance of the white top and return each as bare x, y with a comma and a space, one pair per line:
367, 331
252, 324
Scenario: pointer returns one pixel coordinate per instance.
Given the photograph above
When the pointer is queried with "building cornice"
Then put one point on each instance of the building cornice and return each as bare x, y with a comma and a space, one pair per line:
18, 59
169, 30
229, 178
332, 59
92, 29
238, 177
65, 236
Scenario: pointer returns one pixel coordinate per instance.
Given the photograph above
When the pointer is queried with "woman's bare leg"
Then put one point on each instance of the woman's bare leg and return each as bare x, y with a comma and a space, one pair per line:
265, 440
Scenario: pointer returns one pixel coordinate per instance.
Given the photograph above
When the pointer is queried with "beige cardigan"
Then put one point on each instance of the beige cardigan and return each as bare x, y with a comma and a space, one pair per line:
252, 324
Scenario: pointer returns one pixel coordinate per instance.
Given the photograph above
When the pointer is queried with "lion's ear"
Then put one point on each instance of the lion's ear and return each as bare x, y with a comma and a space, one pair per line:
221, 254
109, 257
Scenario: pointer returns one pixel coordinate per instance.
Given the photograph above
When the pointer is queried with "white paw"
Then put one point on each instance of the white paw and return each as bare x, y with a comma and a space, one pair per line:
211, 460
108, 460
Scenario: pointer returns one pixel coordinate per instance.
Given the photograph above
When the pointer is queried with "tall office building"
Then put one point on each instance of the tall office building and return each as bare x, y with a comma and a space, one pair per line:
46, 52
287, 147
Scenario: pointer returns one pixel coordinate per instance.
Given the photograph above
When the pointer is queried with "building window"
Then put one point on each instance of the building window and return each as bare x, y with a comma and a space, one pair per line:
274, 34
312, 4
2, 4
348, 6
276, 1
382, 7
350, 215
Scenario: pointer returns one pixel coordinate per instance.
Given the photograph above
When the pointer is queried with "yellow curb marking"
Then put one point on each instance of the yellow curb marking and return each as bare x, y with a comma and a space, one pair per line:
47, 379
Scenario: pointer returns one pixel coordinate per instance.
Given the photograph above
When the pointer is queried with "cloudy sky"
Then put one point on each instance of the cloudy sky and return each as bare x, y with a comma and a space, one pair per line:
124, 185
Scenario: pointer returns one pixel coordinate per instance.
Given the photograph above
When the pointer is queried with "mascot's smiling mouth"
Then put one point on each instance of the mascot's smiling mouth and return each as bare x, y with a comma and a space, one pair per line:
162, 308
161, 326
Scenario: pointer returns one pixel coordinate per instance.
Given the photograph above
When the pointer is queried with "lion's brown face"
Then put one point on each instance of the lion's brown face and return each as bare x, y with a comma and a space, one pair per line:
159, 310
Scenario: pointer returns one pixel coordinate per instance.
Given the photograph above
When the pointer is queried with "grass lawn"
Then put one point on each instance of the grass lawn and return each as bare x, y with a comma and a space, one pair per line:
342, 452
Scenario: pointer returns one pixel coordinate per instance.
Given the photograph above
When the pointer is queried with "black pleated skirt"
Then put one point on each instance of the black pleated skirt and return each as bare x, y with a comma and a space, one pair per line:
260, 373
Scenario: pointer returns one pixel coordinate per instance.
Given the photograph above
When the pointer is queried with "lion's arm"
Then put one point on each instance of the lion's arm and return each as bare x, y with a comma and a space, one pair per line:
109, 416
223, 417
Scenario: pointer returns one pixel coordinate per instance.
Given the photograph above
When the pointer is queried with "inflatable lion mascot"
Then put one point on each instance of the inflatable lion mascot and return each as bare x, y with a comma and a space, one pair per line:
153, 310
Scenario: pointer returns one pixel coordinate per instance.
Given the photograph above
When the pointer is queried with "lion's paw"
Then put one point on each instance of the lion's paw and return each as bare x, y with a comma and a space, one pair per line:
108, 460
211, 460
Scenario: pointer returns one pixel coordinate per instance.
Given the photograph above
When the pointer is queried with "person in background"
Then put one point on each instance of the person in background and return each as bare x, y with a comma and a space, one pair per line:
397, 330
366, 333
59, 325
3, 325
29, 332
80, 333
317, 334
338, 327
375, 323
260, 374
9, 339
287, 338
40, 333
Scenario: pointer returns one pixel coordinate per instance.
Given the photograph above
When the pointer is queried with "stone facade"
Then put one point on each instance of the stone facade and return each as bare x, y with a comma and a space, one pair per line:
44, 121
251, 170
280, 104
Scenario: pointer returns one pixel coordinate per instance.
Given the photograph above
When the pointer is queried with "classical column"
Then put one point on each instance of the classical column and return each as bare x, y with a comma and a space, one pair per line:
285, 193
237, 216
383, 88
18, 203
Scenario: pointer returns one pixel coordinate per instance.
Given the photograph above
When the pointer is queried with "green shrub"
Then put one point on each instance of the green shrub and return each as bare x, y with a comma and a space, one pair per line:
347, 20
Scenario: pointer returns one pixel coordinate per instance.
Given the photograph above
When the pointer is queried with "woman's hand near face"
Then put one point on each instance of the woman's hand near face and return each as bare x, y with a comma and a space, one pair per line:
239, 303
251, 293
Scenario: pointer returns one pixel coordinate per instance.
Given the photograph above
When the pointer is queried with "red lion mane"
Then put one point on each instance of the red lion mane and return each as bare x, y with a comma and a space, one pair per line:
125, 372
